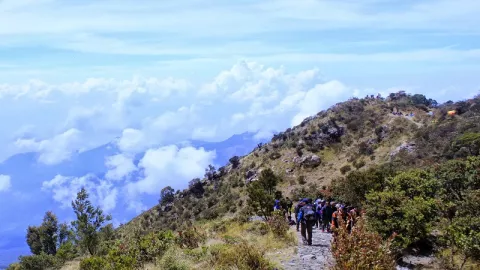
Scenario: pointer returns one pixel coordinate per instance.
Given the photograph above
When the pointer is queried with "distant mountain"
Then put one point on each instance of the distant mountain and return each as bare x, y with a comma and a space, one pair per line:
27, 176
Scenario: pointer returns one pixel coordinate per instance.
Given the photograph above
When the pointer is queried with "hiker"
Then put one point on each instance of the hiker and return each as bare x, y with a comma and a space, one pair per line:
326, 217
276, 206
289, 206
297, 210
306, 216
318, 214
291, 221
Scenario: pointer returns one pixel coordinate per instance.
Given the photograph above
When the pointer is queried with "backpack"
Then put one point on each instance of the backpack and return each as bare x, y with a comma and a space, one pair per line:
308, 213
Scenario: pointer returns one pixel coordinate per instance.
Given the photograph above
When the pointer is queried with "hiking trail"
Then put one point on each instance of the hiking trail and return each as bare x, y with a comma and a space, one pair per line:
316, 256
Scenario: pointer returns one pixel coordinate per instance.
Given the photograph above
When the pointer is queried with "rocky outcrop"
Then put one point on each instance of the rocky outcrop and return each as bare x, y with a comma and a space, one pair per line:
251, 175
308, 161
410, 147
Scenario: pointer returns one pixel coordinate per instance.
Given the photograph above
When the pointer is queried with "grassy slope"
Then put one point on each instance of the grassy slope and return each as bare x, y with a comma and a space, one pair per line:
358, 118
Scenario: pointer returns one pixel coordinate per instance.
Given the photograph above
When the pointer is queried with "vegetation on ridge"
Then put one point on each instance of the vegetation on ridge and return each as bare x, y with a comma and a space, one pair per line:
416, 177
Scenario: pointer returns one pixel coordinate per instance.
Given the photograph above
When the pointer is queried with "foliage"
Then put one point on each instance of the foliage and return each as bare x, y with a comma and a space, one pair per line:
235, 161
38, 262
167, 195
196, 187
278, 225
406, 206
241, 256
67, 251
353, 188
49, 233
345, 169
34, 240
261, 193
192, 237
89, 221
94, 263
361, 249
172, 261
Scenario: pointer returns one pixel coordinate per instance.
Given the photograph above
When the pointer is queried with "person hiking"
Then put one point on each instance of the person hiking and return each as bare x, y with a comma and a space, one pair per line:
297, 209
289, 206
326, 217
306, 218
276, 205
318, 214
291, 221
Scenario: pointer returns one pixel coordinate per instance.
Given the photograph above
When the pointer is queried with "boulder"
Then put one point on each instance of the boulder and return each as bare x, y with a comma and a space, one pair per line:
309, 161
410, 147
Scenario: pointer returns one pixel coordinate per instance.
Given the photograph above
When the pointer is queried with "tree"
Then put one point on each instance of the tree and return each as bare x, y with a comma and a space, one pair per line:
196, 187
261, 193
235, 161
34, 240
64, 234
210, 173
89, 221
49, 233
406, 206
167, 195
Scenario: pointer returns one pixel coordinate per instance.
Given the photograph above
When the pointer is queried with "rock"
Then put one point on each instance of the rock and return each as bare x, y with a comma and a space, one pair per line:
251, 175
289, 170
409, 147
309, 161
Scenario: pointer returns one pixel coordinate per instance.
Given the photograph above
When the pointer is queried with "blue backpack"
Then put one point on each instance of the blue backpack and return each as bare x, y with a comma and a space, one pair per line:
308, 213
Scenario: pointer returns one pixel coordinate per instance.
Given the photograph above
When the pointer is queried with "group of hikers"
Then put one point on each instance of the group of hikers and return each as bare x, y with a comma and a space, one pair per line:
320, 214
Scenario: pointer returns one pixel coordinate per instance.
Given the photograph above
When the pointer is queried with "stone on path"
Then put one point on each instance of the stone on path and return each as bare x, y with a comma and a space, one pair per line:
316, 256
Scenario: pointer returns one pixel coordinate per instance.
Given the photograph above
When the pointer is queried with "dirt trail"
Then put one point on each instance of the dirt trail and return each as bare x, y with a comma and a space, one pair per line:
316, 256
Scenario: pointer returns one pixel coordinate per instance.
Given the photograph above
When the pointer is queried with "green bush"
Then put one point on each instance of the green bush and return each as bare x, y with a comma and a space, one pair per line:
407, 206
173, 261
94, 263
241, 256
66, 252
191, 238
39, 262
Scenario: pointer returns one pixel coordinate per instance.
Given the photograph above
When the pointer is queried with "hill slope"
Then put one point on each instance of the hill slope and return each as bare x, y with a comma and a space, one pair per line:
352, 135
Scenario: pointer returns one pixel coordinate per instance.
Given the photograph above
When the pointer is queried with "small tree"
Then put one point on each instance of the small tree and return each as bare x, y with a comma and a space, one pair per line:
361, 249
167, 195
34, 240
49, 233
235, 161
89, 221
261, 193
196, 187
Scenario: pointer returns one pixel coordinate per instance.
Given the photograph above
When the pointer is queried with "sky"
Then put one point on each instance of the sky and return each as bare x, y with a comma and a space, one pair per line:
148, 76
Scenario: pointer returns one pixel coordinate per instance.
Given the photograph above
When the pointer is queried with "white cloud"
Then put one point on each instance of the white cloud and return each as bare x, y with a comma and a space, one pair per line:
65, 189
55, 150
168, 166
5, 183
145, 113
119, 166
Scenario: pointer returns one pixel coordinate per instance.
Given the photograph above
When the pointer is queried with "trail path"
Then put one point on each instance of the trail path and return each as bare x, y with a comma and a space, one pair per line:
316, 256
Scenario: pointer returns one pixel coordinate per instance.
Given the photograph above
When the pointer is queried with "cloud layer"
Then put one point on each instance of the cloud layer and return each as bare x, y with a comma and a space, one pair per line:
151, 117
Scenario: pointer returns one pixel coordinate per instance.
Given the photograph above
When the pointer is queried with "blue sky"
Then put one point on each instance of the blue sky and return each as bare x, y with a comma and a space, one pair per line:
148, 76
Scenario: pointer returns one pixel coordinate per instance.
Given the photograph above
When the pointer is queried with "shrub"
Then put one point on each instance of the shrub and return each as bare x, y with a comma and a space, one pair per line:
173, 261
94, 263
361, 249
38, 262
278, 225
242, 256
66, 252
345, 169
358, 164
301, 180
407, 206
274, 155
191, 237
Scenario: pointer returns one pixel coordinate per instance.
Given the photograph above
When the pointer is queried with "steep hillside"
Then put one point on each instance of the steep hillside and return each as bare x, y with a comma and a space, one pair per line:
352, 135
412, 167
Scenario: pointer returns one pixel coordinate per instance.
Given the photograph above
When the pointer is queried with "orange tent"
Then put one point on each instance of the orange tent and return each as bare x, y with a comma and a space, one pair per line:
452, 113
